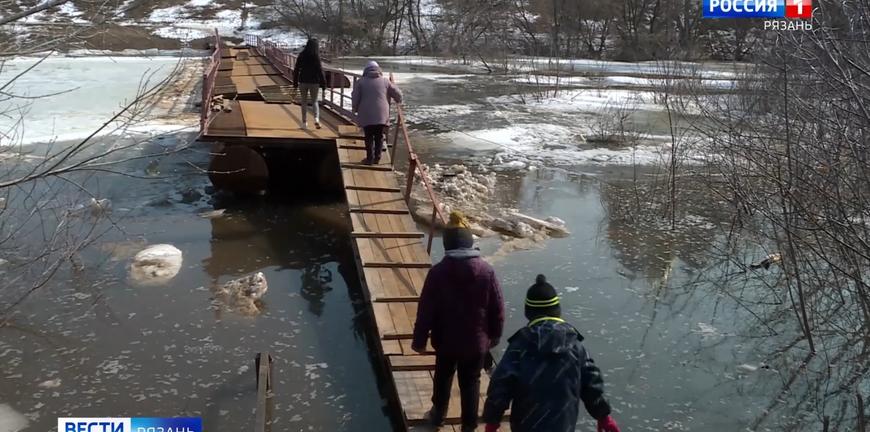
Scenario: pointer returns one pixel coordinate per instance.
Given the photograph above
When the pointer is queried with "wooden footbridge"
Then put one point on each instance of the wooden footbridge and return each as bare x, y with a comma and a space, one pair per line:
248, 109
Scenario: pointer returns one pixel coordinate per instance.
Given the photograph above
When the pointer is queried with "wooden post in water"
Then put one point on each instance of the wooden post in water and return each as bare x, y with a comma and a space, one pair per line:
263, 368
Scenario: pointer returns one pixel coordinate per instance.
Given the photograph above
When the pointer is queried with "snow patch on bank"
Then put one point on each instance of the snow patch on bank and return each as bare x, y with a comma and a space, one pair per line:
182, 22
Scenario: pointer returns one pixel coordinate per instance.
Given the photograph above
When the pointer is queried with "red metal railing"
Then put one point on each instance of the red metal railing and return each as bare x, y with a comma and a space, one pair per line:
414, 168
208, 83
336, 98
334, 95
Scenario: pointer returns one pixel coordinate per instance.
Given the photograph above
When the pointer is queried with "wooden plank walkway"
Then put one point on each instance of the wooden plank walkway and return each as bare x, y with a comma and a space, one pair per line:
390, 250
394, 262
257, 118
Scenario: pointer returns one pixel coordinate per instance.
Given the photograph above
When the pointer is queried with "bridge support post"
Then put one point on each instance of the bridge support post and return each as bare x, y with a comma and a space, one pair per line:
412, 171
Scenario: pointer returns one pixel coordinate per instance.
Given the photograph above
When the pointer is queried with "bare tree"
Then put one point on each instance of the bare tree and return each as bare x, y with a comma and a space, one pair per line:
788, 152
47, 213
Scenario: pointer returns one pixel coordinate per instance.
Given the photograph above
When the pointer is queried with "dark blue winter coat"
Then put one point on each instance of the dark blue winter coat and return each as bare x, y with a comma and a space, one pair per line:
543, 376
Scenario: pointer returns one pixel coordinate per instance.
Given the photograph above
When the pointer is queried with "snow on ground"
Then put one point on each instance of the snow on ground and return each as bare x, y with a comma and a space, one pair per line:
167, 15
70, 11
80, 94
64, 13
284, 38
183, 23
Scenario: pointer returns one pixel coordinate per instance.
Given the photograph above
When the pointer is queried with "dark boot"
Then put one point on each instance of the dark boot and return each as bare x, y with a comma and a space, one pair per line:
434, 419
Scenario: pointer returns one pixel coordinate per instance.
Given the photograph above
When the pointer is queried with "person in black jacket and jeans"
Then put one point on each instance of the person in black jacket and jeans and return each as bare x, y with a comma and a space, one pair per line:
309, 78
545, 373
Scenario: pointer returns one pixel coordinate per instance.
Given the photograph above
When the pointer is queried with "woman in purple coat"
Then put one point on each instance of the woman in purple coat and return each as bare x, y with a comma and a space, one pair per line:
371, 104
462, 311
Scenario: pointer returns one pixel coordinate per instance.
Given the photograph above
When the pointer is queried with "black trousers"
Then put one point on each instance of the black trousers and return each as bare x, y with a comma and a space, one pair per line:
468, 369
374, 142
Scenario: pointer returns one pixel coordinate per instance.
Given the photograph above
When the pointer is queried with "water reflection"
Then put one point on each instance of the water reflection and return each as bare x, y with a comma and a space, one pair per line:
315, 284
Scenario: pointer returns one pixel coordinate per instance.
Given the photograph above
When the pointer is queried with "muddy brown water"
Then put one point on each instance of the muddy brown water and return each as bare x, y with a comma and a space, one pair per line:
92, 343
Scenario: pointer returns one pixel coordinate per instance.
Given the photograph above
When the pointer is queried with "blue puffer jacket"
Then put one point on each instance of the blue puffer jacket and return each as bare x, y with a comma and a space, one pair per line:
543, 376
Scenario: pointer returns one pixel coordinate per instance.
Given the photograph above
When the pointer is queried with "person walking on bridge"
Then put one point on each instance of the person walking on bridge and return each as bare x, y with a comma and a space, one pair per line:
371, 104
545, 373
309, 78
462, 309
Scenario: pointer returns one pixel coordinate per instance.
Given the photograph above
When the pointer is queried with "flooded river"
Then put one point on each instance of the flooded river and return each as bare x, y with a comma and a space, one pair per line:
92, 343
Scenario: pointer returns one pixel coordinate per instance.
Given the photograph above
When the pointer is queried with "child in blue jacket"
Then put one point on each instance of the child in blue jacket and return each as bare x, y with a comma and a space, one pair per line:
545, 373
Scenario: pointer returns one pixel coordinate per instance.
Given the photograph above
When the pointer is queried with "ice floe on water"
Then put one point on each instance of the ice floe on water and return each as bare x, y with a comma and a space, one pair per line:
523, 146
311, 370
538, 64
50, 384
583, 100
405, 77
104, 82
156, 265
11, 420
707, 331
624, 81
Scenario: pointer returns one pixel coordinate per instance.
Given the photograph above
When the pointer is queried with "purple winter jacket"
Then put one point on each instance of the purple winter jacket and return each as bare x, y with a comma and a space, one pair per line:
461, 307
371, 95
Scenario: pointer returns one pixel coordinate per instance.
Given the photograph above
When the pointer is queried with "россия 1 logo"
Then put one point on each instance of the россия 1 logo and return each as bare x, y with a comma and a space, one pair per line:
796, 9
128, 424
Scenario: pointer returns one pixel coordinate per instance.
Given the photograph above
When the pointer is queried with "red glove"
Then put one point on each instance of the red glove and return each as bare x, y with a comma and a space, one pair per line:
607, 424
491, 428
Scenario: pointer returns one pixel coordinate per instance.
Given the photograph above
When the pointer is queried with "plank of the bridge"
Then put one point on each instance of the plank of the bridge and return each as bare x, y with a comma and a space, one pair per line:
230, 123
279, 121
412, 372
250, 68
386, 250
386, 283
247, 84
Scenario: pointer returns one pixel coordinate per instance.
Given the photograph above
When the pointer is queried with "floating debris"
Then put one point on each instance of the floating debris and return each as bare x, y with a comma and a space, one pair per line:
156, 265
50, 384
748, 368
214, 214
767, 262
242, 295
